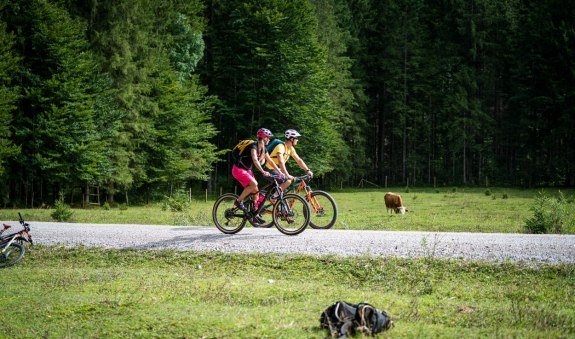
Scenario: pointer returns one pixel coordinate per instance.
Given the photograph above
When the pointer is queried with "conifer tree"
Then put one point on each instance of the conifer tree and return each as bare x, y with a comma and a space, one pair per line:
9, 63
268, 69
56, 120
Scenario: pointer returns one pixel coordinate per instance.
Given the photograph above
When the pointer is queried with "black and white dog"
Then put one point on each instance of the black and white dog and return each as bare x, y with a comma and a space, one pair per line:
343, 319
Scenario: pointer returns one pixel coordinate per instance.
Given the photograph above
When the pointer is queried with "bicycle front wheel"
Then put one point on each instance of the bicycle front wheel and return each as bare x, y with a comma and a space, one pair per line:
11, 254
266, 214
323, 210
291, 214
227, 216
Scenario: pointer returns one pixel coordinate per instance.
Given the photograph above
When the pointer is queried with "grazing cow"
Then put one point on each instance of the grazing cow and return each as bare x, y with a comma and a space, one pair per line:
393, 202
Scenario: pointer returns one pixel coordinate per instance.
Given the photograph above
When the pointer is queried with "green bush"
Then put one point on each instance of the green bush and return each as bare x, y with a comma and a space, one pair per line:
62, 211
550, 215
176, 203
505, 196
488, 192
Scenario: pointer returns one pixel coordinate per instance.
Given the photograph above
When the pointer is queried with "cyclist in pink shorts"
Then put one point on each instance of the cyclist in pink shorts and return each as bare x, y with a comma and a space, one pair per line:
247, 154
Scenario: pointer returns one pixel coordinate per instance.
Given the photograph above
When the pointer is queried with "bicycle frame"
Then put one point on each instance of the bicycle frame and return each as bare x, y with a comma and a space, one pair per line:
6, 241
303, 186
23, 234
269, 189
313, 203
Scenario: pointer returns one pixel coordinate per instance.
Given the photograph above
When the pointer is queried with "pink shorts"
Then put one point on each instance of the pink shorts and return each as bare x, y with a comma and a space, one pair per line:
242, 175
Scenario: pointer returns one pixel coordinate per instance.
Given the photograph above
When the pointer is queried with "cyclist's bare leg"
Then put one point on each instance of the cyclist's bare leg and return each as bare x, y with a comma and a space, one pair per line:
284, 186
252, 187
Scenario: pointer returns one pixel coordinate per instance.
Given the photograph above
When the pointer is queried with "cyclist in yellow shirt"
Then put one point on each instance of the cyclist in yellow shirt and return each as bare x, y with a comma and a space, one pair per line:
281, 154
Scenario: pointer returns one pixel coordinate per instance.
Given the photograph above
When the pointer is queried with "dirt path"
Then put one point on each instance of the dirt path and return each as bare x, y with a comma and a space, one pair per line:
535, 249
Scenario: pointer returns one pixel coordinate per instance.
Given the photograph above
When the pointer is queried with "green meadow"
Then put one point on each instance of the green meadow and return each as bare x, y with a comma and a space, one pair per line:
89, 292
500, 210
57, 292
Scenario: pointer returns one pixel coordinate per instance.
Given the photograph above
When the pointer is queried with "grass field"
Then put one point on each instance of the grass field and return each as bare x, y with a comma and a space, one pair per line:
437, 210
57, 292
87, 292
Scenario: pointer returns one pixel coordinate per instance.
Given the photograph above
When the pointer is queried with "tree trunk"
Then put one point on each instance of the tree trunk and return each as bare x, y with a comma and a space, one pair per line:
111, 192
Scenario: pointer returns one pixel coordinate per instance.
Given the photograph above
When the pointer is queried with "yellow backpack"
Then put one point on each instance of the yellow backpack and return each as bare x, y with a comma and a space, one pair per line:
238, 150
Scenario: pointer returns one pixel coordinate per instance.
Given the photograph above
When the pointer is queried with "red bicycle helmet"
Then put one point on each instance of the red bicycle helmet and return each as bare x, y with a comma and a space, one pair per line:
264, 133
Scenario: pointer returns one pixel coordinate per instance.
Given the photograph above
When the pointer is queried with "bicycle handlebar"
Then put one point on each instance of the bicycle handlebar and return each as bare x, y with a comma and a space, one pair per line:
305, 177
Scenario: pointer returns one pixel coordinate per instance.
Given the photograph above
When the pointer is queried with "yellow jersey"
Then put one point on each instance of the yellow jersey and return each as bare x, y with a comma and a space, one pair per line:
281, 148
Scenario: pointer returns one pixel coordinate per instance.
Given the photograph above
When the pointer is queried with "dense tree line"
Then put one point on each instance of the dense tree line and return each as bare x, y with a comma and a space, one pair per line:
145, 97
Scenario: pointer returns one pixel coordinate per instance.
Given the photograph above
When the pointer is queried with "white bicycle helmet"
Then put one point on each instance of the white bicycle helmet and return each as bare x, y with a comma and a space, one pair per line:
292, 133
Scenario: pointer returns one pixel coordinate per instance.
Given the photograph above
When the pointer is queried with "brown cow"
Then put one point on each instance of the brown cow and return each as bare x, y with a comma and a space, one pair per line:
393, 202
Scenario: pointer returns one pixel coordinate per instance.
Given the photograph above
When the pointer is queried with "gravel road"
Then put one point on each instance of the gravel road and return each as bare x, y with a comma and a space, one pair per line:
528, 248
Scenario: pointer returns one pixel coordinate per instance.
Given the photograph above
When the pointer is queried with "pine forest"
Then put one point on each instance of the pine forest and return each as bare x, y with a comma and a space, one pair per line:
144, 98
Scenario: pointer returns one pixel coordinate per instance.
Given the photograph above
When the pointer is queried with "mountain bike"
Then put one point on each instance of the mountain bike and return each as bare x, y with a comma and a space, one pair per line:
12, 245
322, 205
290, 213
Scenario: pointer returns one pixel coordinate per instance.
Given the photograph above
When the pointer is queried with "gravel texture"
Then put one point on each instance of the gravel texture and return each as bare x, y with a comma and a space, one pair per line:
498, 247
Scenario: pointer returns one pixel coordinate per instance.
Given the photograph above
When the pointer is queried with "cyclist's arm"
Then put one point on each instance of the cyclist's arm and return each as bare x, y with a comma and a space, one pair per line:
302, 164
256, 161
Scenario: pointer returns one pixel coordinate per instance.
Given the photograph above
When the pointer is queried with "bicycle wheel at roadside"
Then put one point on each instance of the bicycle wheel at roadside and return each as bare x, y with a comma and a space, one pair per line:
11, 254
323, 210
291, 214
227, 216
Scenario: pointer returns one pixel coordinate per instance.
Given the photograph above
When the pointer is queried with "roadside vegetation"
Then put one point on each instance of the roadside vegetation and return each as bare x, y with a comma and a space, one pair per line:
447, 209
89, 292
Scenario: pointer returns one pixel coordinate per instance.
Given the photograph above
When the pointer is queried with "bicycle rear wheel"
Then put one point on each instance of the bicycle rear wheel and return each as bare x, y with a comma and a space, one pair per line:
291, 214
11, 255
228, 218
323, 210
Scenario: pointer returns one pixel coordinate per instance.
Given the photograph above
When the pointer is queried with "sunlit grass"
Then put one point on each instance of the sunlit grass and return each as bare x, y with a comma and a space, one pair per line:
90, 292
439, 210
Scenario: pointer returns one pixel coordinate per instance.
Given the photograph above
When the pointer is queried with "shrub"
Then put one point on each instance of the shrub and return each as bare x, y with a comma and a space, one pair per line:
106, 206
488, 192
176, 203
62, 211
550, 215
505, 196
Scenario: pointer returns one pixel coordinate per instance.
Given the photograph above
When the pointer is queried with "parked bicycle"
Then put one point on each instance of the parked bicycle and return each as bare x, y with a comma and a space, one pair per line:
290, 213
12, 245
322, 205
